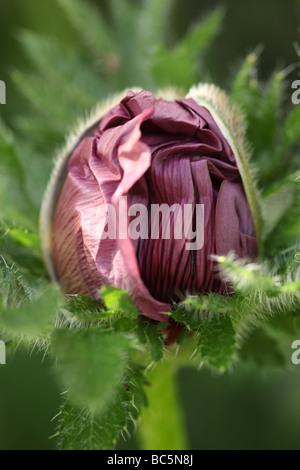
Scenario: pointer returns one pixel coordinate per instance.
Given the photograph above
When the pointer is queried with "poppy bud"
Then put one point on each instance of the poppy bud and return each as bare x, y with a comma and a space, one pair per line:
145, 194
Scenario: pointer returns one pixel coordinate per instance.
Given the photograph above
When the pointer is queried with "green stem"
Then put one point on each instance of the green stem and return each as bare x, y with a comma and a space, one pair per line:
162, 424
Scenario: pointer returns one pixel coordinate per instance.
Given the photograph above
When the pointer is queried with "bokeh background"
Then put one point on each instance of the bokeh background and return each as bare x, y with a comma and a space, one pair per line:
244, 408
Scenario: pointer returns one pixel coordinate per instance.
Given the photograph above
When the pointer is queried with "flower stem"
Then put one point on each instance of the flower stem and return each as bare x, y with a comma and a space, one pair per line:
162, 424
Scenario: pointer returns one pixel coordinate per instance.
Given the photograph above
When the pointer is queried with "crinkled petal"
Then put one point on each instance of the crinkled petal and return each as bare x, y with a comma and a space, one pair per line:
234, 224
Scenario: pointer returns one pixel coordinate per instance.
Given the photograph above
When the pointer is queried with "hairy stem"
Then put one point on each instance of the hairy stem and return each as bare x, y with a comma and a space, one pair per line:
162, 425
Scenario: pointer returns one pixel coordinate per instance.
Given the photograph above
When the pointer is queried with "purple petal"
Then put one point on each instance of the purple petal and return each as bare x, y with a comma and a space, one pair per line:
234, 224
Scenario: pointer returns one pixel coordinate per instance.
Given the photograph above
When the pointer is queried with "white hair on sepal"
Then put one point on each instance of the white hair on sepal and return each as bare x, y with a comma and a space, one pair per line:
169, 93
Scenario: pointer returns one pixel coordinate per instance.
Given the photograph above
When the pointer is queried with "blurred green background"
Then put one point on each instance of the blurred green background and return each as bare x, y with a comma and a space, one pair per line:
243, 409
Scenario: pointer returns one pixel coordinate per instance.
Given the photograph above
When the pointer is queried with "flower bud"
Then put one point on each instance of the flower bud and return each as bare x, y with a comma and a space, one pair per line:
145, 194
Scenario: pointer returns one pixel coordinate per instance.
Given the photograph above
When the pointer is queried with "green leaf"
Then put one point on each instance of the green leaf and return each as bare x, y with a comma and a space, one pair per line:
154, 335
153, 22
86, 309
274, 205
72, 81
15, 203
132, 49
287, 325
270, 109
217, 336
244, 89
80, 429
91, 364
212, 303
13, 289
118, 301
182, 335
217, 341
124, 324
34, 320
179, 66
262, 350
21, 248
173, 68
25, 237
248, 277
262, 104
199, 38
91, 25
281, 213
192, 310
292, 261
291, 130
